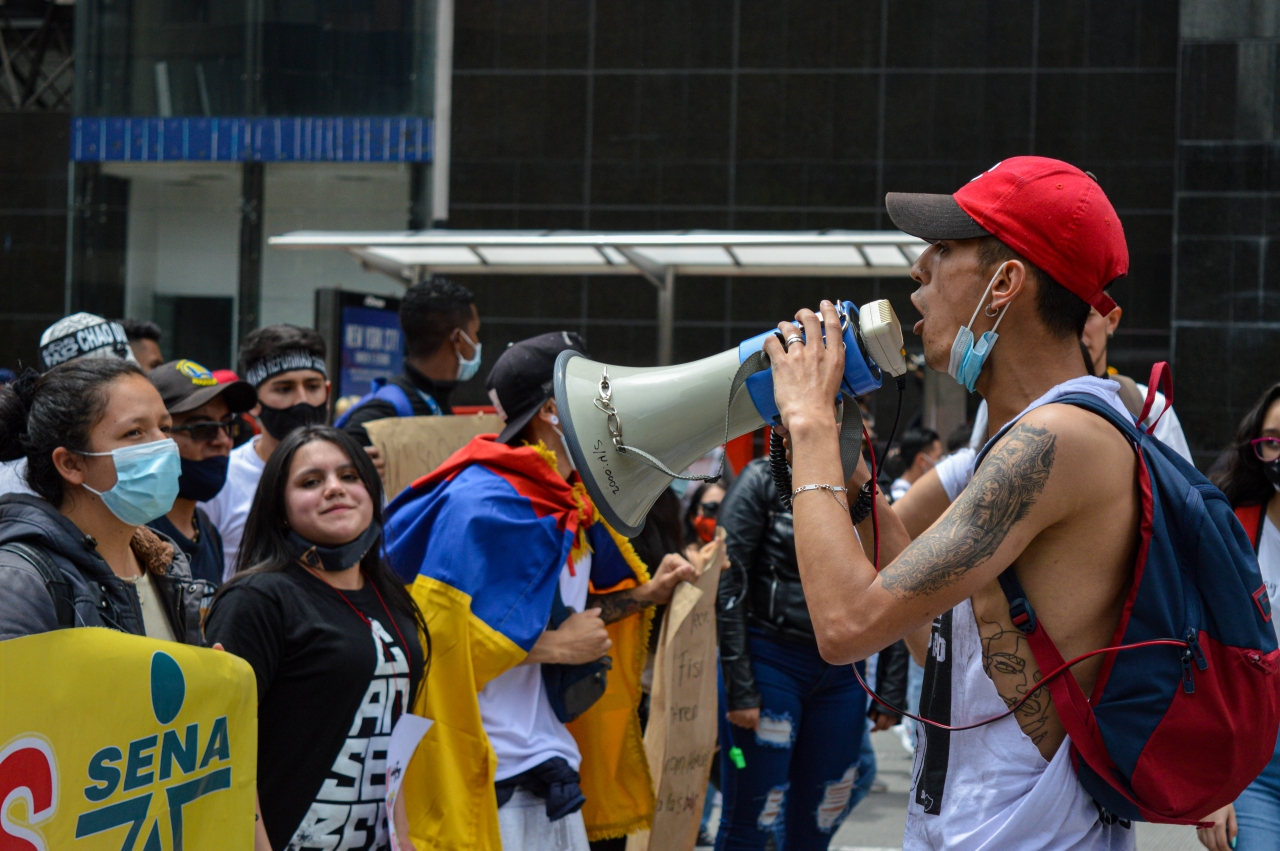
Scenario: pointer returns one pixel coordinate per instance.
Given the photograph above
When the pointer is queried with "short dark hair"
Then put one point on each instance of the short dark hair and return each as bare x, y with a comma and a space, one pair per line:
265, 342
138, 329
1062, 311
430, 311
914, 442
1243, 481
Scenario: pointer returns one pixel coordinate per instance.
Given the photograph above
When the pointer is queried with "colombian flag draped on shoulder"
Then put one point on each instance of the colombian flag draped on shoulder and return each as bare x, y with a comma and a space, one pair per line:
481, 542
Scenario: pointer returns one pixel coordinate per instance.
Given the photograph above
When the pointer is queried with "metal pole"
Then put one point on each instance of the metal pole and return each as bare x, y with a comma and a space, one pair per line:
443, 114
249, 301
666, 315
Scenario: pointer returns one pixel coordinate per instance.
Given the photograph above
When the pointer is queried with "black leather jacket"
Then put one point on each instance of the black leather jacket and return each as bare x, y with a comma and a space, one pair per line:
99, 597
761, 589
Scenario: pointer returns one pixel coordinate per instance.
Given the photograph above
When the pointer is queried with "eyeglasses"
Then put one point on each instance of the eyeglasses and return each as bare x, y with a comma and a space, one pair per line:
1266, 448
709, 509
208, 432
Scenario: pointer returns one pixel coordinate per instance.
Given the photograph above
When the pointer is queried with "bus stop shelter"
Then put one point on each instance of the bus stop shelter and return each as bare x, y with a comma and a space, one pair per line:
661, 258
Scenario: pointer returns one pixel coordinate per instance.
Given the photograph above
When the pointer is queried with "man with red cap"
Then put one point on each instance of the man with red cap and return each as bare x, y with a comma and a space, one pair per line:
1017, 258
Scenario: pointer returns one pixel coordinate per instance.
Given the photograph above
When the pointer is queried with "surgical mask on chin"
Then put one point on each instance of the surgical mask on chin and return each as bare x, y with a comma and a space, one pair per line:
966, 358
280, 421
467, 369
201, 480
337, 558
146, 481
564, 446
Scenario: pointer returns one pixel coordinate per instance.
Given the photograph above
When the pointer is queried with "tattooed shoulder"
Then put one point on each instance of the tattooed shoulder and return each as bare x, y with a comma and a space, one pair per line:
1002, 492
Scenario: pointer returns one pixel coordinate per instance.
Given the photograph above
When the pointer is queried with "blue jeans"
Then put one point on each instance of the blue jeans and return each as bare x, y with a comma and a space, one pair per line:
802, 761
1258, 810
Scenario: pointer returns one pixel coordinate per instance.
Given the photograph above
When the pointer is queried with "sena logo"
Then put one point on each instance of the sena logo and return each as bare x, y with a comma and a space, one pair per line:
28, 773
175, 765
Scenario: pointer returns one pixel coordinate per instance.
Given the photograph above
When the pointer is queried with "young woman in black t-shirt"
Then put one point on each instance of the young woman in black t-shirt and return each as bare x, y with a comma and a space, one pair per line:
334, 639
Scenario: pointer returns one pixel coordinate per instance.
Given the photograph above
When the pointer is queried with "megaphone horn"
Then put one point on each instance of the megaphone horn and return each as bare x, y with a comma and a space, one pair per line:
630, 429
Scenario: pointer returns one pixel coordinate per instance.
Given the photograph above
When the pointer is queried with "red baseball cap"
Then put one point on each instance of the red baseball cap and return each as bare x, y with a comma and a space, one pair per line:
1050, 212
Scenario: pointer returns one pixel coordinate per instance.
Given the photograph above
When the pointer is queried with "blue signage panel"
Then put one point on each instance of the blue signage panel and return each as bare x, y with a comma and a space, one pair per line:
236, 139
372, 347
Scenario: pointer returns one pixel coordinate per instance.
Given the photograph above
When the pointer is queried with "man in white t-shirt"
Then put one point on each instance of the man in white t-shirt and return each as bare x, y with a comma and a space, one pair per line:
286, 366
921, 449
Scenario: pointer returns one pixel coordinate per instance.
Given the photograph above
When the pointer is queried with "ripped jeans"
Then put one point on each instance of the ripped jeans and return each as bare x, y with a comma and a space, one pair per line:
802, 761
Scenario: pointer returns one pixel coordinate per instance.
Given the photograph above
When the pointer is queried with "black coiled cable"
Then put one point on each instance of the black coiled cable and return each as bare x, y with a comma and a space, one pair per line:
778, 466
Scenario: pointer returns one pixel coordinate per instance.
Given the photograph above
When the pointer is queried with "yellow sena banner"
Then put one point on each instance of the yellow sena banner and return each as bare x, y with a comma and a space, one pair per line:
112, 742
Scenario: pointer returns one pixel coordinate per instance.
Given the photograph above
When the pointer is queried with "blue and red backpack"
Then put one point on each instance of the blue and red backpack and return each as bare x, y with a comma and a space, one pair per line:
1178, 726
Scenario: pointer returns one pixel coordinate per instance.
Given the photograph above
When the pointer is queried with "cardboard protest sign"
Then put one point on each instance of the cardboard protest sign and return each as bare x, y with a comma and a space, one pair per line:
414, 446
114, 742
681, 737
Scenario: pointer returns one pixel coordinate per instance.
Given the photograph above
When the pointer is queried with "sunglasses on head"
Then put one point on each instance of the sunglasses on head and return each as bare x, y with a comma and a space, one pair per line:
208, 431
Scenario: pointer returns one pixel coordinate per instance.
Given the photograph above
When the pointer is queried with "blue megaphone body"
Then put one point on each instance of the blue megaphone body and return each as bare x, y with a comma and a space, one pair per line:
861, 374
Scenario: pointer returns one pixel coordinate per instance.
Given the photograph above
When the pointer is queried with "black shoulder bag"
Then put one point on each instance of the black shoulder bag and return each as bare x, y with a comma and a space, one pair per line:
54, 582
573, 689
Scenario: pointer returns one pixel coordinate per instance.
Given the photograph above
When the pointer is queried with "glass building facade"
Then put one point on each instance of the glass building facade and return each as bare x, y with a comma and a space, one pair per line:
651, 115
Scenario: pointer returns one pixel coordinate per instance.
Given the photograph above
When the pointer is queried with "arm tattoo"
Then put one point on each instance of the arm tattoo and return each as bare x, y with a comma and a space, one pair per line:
1000, 495
616, 606
1009, 663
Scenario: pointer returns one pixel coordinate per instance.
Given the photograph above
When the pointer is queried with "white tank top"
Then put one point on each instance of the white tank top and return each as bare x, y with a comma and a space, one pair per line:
989, 788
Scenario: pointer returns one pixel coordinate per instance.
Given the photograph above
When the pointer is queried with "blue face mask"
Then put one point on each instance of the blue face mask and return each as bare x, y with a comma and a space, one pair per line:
467, 369
146, 481
201, 480
966, 358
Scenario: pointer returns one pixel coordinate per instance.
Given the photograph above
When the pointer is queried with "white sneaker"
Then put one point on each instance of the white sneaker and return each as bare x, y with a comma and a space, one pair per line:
904, 736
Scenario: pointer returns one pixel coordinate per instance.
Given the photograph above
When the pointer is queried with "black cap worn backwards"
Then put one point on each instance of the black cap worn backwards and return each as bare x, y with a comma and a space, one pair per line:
522, 380
185, 385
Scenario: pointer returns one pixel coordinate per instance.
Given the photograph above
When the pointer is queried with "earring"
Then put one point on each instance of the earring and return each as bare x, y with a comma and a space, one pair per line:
990, 310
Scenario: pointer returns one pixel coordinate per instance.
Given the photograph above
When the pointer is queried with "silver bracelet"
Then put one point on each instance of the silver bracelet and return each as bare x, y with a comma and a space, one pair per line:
831, 489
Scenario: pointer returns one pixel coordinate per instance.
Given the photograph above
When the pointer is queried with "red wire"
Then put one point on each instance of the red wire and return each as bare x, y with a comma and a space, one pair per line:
1064, 667
875, 515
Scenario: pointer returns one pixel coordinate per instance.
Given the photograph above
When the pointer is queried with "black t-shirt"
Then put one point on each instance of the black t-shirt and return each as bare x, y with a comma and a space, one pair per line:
414, 384
205, 553
330, 688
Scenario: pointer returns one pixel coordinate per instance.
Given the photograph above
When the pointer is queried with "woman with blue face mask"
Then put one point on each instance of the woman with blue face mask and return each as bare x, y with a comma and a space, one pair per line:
95, 434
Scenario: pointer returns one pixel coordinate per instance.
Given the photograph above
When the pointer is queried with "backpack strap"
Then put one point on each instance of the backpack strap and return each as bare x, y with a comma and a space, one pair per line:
1160, 375
54, 582
1069, 699
386, 391
1252, 517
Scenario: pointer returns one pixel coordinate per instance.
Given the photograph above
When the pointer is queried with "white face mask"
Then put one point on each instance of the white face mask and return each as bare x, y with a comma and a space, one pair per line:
467, 369
568, 456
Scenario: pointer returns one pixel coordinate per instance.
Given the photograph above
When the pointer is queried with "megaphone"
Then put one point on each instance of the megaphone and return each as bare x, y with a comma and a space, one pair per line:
631, 429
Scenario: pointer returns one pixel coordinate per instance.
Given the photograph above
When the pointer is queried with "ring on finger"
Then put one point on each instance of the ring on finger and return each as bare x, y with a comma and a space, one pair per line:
792, 339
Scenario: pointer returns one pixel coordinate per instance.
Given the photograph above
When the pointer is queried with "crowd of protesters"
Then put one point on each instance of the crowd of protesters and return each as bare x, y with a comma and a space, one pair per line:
221, 509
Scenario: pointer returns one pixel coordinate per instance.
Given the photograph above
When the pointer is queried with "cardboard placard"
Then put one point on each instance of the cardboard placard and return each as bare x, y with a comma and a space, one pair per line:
414, 446
683, 708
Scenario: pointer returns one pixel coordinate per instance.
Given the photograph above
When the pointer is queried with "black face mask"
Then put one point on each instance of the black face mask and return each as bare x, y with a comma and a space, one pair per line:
334, 558
201, 480
280, 421
1271, 469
